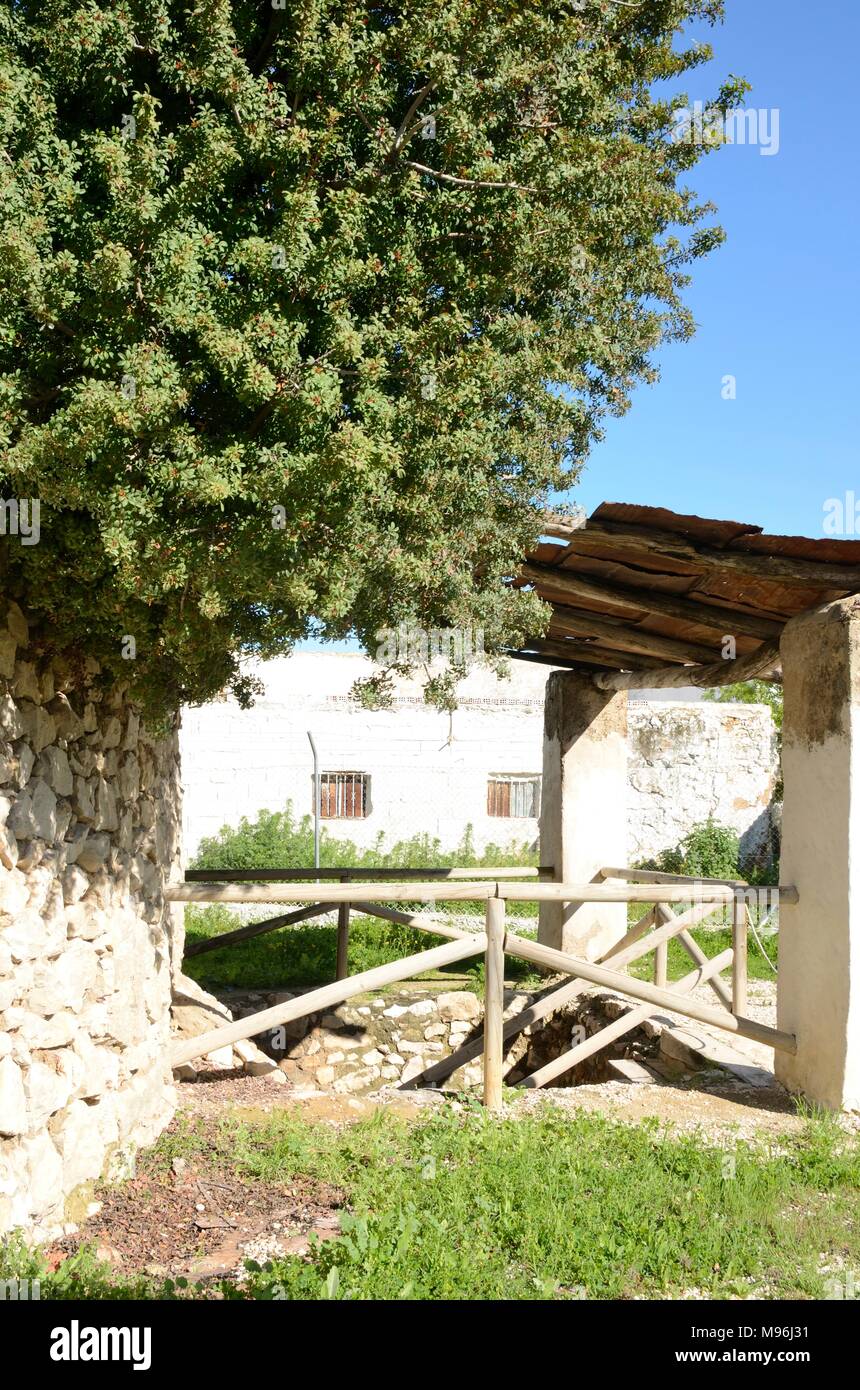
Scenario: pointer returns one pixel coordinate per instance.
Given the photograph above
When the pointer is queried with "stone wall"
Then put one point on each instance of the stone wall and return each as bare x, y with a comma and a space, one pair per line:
375, 1040
89, 837
387, 1040
689, 763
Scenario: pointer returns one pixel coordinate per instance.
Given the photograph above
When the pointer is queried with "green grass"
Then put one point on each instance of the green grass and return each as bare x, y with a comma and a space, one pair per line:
305, 955
713, 942
550, 1205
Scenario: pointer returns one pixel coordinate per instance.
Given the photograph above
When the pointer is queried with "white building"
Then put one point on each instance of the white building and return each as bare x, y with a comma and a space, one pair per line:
412, 770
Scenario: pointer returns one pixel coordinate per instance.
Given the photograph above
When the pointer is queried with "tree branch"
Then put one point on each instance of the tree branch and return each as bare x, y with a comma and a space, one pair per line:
467, 183
403, 129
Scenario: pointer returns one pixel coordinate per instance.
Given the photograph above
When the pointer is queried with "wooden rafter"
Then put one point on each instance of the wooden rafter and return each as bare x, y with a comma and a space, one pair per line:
600, 536
626, 636
723, 620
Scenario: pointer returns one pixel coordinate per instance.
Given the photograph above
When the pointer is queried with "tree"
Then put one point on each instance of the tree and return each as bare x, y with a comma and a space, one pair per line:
306, 306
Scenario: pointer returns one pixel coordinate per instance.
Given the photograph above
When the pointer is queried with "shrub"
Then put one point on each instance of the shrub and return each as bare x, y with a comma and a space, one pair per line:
276, 839
708, 851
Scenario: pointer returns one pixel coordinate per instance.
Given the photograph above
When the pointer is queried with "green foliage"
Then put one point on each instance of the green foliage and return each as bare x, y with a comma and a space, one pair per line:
276, 839
268, 355
708, 851
751, 693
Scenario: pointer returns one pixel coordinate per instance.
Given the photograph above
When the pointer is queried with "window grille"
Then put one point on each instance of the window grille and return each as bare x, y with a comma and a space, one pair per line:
344, 795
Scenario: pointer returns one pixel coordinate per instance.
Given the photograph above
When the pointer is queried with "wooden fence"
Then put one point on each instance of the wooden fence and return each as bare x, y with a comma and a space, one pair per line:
652, 932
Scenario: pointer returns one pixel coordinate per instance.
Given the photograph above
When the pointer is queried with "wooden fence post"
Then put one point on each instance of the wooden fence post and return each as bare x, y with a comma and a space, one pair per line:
342, 965
739, 945
494, 1003
661, 957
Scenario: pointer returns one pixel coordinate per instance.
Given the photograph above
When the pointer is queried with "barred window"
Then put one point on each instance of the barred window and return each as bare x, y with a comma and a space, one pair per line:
344, 795
513, 794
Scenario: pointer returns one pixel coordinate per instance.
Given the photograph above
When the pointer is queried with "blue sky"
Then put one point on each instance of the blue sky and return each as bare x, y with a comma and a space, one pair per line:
776, 306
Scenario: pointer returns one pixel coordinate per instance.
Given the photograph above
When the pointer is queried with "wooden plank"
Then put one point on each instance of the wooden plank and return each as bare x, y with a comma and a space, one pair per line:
629, 637
231, 938
326, 997
590, 652
755, 665
721, 620
541, 659
613, 1031
494, 991
600, 536
401, 875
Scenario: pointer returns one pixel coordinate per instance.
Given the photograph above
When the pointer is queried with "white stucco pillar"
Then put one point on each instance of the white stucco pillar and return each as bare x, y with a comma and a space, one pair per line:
819, 937
583, 823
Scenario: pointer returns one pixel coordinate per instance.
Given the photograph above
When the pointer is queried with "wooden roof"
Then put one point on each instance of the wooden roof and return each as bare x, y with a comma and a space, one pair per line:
640, 588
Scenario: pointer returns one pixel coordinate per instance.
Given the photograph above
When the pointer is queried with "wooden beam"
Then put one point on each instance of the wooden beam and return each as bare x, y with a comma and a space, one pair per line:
721, 620
739, 969
627, 636
542, 659
755, 665
341, 969
657, 876
599, 536
590, 653
326, 997
283, 892
232, 938
300, 875
648, 993
474, 892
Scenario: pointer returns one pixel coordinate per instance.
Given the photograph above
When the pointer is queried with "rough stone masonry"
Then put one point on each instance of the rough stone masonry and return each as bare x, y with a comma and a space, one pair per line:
89, 839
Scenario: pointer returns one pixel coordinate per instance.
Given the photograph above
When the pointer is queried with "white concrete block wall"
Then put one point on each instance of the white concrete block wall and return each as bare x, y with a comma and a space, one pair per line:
429, 771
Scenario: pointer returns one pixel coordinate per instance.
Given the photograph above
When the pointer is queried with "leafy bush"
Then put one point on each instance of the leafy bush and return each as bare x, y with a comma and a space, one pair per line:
277, 840
708, 851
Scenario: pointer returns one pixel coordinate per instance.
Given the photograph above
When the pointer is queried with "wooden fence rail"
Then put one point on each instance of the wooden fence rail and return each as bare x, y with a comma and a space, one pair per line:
651, 933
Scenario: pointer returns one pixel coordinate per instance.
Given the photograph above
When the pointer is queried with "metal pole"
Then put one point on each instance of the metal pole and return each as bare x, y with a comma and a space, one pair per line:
317, 800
